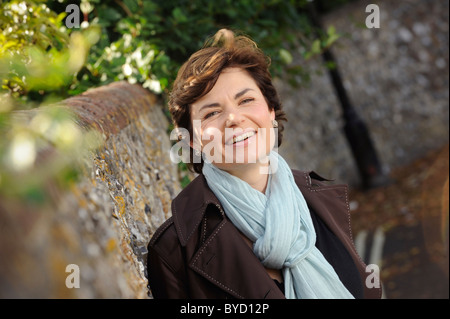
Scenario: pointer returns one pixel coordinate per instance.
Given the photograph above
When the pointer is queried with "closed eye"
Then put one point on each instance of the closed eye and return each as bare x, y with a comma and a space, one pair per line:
210, 114
247, 100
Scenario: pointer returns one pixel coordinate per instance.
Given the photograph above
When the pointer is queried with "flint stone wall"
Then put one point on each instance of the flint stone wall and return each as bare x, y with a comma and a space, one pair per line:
102, 224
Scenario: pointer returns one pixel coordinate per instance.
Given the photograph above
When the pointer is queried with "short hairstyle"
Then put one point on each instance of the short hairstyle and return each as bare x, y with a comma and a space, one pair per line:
198, 75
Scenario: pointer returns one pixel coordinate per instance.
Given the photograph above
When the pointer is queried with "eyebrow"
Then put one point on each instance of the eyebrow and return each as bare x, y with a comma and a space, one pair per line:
239, 94
236, 96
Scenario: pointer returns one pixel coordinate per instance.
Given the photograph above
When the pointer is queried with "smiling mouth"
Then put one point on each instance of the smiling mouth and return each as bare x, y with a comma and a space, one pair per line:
242, 137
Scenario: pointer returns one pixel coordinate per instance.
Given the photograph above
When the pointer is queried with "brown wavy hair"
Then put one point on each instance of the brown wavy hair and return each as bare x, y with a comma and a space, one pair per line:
199, 74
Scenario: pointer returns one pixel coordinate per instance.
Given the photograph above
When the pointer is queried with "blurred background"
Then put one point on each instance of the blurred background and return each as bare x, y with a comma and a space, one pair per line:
365, 89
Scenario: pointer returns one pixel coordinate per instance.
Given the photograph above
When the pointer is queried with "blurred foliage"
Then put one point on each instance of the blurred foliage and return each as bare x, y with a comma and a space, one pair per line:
146, 41
39, 61
43, 59
326, 6
42, 146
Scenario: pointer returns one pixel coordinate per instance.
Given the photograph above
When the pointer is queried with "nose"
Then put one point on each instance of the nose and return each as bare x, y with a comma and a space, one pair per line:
234, 118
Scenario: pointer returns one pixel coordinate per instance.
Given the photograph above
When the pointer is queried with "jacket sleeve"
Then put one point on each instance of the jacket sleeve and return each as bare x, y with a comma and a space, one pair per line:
165, 267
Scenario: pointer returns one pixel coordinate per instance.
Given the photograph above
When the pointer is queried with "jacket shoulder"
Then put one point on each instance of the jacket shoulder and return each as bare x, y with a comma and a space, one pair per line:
165, 266
163, 231
309, 179
165, 241
165, 246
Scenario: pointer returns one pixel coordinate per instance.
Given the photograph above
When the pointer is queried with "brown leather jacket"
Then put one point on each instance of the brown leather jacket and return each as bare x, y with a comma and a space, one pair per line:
198, 253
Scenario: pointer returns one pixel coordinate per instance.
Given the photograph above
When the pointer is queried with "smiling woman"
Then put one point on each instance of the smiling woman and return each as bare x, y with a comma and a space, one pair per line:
236, 113
194, 91
247, 196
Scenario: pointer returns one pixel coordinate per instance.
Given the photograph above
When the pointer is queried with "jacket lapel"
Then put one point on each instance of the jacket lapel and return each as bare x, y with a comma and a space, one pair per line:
189, 206
228, 262
223, 258
330, 202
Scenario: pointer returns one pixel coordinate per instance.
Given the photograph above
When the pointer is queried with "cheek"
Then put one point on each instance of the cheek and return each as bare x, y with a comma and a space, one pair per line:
211, 135
263, 115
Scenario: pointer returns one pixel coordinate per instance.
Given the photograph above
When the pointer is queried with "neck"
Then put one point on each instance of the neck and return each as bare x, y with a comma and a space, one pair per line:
252, 176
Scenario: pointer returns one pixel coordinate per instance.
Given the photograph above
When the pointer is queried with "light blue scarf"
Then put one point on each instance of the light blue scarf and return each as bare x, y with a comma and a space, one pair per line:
280, 226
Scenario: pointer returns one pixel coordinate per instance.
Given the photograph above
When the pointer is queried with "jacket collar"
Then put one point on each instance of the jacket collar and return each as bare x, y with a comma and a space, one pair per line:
189, 207
229, 252
330, 202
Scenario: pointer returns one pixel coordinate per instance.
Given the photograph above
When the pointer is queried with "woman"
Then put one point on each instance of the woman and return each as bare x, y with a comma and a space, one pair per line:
248, 226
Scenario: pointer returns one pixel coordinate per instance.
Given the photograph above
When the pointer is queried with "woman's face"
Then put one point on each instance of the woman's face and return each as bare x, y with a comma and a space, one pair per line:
232, 123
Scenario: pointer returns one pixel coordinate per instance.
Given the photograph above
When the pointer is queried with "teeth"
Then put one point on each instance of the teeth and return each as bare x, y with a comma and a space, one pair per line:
242, 137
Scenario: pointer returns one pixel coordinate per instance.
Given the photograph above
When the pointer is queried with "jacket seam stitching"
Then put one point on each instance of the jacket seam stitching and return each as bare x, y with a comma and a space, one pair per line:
204, 229
184, 240
325, 188
161, 230
351, 237
164, 259
200, 252
351, 234
177, 224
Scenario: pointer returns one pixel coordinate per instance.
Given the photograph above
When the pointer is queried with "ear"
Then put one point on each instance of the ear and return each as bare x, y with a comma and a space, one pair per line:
195, 145
272, 114
191, 144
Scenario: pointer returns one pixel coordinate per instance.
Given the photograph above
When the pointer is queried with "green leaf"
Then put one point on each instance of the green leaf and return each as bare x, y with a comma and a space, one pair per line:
332, 39
331, 30
178, 15
285, 56
316, 47
109, 14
